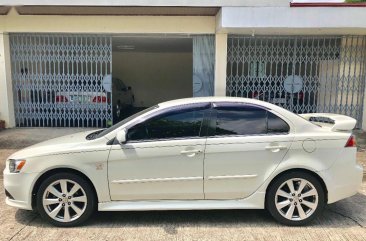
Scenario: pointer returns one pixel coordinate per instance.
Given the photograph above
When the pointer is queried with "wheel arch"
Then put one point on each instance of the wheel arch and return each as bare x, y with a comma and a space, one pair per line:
314, 174
51, 172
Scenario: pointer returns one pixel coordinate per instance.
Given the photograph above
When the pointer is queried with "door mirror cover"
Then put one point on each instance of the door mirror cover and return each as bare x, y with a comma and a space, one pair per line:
122, 136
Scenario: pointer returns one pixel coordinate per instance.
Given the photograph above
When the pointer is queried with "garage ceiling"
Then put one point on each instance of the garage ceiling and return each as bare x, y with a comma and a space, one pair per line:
152, 44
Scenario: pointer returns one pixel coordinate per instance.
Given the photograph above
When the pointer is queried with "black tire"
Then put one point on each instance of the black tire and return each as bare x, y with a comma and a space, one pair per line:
91, 203
275, 185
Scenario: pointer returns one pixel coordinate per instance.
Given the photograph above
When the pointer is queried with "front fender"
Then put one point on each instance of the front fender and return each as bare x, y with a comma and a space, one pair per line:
91, 164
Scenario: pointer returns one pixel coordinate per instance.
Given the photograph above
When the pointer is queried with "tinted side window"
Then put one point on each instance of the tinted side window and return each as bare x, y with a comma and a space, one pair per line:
175, 124
241, 120
276, 124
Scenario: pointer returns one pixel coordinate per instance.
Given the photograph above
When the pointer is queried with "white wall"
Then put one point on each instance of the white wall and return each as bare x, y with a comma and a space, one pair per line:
220, 64
292, 20
13, 22
154, 77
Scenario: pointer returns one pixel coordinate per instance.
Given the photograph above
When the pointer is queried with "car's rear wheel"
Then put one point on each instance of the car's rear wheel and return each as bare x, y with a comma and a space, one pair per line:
295, 198
65, 199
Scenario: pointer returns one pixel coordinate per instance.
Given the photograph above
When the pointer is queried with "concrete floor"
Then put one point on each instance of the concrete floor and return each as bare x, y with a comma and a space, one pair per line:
344, 220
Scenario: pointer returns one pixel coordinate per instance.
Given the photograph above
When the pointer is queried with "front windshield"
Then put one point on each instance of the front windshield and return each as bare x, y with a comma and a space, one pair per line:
124, 121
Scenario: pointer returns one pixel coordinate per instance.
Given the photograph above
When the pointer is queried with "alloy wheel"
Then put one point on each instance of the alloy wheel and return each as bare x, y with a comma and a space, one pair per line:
64, 200
296, 199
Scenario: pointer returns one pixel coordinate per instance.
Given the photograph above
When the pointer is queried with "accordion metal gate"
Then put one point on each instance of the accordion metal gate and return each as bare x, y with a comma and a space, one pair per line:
60, 79
303, 74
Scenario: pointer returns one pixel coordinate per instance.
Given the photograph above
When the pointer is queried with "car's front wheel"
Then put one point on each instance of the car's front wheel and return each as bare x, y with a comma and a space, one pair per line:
295, 198
65, 199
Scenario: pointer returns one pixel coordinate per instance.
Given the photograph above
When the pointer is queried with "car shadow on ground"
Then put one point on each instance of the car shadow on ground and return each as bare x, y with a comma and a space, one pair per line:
350, 212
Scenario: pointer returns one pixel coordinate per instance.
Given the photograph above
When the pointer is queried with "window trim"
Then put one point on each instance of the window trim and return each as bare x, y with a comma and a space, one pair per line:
209, 121
216, 105
164, 139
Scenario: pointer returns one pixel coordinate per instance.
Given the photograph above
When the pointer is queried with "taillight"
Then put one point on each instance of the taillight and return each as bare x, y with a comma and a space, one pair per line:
254, 94
100, 99
351, 142
61, 98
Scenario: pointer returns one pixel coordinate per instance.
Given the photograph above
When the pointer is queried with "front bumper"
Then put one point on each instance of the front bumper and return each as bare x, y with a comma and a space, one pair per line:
19, 186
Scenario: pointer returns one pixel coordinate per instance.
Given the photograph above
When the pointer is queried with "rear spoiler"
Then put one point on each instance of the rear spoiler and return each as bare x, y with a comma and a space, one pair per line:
335, 122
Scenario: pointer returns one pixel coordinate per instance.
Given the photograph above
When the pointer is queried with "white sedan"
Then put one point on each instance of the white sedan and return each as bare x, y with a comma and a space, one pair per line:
197, 153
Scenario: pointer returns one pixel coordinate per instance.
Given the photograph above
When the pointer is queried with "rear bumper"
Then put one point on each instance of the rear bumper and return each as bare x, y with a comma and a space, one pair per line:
342, 181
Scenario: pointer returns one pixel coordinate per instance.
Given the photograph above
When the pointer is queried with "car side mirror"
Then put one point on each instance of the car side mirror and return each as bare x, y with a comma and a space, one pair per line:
122, 136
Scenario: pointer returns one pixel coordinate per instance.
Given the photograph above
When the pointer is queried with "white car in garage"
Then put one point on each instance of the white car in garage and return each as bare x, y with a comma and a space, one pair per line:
196, 153
123, 96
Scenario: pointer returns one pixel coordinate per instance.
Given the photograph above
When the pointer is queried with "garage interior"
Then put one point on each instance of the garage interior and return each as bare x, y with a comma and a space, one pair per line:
156, 68
76, 80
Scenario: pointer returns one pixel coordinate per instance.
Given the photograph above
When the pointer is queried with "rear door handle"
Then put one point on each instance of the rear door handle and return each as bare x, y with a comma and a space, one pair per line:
190, 153
275, 148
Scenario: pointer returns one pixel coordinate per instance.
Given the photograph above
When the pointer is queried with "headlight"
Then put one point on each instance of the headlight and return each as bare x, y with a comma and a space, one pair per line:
16, 165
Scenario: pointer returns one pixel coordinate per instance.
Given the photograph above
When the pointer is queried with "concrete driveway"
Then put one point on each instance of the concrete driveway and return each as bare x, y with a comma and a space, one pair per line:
344, 220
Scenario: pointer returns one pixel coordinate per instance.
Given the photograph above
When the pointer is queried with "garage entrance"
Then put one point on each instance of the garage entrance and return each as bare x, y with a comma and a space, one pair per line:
303, 74
158, 68
66, 80
58, 80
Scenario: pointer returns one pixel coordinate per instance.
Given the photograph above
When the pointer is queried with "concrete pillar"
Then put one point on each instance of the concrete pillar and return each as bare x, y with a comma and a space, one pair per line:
6, 89
220, 64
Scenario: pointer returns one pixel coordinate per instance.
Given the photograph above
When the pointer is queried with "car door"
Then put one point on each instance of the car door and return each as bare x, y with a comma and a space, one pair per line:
244, 146
163, 157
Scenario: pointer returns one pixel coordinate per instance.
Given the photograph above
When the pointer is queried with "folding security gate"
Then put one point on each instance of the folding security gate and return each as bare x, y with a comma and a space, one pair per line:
62, 79
301, 73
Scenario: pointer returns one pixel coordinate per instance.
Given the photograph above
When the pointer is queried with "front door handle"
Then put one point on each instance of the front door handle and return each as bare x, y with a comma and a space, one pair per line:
276, 148
190, 153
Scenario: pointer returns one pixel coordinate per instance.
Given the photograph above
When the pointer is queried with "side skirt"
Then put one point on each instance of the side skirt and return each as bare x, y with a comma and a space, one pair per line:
255, 201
